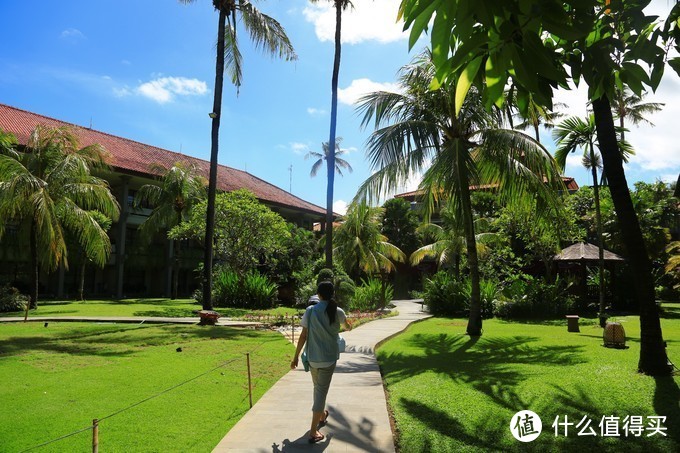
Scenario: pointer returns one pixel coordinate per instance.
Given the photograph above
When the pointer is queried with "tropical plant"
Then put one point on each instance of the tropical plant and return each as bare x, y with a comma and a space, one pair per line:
535, 115
372, 294
340, 6
446, 295
627, 106
11, 299
181, 188
448, 240
105, 224
360, 246
457, 146
607, 45
268, 35
340, 163
50, 185
247, 233
574, 133
251, 290
400, 224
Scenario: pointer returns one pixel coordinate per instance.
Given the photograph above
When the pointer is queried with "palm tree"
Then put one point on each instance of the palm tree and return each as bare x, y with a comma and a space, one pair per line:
537, 115
361, 247
420, 130
629, 106
105, 224
267, 34
574, 133
448, 240
340, 163
340, 6
51, 186
180, 190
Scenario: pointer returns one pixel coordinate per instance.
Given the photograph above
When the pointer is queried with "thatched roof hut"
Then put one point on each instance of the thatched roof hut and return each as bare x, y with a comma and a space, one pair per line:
584, 252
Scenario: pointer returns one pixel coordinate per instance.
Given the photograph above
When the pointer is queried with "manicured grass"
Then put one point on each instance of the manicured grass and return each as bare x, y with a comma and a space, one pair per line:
449, 392
140, 307
56, 379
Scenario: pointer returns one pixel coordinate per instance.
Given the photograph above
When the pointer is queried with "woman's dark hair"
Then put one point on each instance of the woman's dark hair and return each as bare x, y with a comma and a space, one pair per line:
325, 291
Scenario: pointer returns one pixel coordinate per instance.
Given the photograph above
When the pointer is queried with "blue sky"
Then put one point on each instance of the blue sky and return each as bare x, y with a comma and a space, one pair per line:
145, 71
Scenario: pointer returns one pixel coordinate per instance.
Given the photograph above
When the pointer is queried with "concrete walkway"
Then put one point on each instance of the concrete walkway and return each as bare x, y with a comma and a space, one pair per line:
358, 421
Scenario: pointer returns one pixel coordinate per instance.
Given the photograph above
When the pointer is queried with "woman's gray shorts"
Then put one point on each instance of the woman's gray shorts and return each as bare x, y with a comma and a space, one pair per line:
321, 377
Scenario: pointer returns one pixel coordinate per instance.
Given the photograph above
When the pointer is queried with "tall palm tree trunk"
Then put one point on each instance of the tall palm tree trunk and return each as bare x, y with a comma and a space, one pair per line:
653, 358
330, 160
600, 245
212, 181
176, 266
474, 327
33, 303
81, 283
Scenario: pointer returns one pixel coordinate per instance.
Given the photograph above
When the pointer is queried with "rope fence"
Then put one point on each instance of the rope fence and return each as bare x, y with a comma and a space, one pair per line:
94, 427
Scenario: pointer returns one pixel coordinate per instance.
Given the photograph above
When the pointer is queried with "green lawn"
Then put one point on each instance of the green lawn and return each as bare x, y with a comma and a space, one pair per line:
56, 379
449, 392
140, 307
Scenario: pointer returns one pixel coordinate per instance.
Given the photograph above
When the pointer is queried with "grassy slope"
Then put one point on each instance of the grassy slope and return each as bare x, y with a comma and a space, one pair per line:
55, 380
451, 393
138, 307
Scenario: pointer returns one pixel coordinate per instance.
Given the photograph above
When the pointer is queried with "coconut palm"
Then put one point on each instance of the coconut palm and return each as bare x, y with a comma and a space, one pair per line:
105, 224
181, 189
50, 185
340, 163
537, 115
418, 130
627, 106
448, 240
574, 133
361, 247
340, 6
267, 34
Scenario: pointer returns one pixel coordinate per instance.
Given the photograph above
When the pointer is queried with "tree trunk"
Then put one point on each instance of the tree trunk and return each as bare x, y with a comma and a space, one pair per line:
33, 303
653, 358
176, 261
81, 284
474, 326
212, 181
330, 160
600, 245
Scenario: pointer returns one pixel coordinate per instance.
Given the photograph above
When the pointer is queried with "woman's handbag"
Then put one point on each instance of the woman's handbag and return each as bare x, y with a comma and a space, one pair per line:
341, 343
305, 361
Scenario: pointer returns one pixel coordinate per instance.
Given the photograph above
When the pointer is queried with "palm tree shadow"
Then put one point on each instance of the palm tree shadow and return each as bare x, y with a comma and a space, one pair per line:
666, 397
487, 364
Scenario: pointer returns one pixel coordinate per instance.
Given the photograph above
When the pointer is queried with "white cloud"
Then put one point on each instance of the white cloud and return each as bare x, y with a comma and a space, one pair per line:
72, 34
368, 21
316, 112
165, 89
340, 207
361, 87
299, 148
121, 92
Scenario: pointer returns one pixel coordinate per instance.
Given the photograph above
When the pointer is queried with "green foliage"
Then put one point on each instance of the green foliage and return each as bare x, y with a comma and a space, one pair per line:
291, 265
344, 285
251, 290
531, 298
371, 295
247, 233
399, 224
11, 300
446, 295
360, 246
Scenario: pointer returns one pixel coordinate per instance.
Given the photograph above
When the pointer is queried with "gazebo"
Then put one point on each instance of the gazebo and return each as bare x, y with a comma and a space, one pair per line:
581, 255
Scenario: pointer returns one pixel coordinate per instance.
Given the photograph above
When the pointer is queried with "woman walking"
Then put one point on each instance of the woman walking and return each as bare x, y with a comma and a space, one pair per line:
320, 327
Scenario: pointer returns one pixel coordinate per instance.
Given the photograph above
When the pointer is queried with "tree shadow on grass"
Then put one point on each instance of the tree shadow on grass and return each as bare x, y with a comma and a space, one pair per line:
487, 364
115, 340
578, 403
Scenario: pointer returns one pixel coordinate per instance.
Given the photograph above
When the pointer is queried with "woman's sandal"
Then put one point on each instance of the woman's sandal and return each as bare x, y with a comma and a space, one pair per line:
325, 419
318, 438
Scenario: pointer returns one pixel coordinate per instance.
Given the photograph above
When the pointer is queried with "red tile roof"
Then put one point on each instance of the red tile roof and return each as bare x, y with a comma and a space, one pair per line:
568, 181
131, 156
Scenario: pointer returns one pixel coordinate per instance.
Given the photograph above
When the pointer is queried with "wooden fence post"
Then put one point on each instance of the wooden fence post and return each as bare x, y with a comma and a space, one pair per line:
250, 387
95, 436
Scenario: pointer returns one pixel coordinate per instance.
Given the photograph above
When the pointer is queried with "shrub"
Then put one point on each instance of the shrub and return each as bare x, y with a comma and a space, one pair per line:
527, 297
252, 290
445, 295
344, 286
371, 295
11, 299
